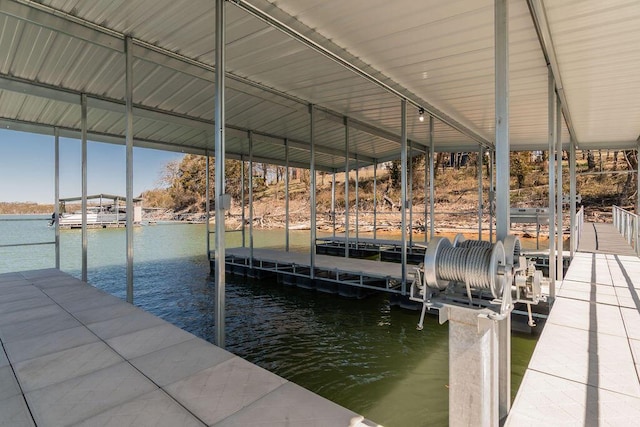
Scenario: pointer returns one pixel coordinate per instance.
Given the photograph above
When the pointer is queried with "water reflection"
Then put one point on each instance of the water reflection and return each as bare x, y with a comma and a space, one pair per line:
359, 353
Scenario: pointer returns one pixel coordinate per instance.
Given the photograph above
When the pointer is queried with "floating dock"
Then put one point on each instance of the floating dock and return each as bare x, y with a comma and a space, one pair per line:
381, 249
586, 365
345, 276
73, 355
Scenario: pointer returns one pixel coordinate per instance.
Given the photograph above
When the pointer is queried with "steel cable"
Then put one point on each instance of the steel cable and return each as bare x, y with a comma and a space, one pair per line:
469, 265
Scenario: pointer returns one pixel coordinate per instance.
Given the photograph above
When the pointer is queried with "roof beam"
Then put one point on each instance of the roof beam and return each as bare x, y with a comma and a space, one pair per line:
296, 144
62, 22
541, 24
13, 84
66, 132
47, 17
295, 34
367, 128
203, 71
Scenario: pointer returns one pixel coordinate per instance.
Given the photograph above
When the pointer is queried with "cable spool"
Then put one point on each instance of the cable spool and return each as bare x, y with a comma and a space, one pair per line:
512, 247
476, 266
431, 263
460, 242
512, 250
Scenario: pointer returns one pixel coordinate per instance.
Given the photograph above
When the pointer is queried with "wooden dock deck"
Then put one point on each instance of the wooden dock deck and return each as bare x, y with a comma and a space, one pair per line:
601, 238
585, 368
71, 354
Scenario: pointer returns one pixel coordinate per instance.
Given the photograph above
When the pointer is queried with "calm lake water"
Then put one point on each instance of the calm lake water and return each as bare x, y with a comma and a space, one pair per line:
363, 355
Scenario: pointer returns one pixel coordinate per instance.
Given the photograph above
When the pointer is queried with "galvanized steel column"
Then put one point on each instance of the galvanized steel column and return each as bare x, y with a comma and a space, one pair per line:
403, 191
410, 159
286, 196
637, 212
560, 244
56, 208
375, 197
552, 188
129, 161
333, 202
503, 206
207, 203
492, 192
220, 68
242, 180
502, 117
638, 179
250, 136
432, 175
346, 187
83, 120
312, 196
480, 192
572, 195
357, 201
426, 179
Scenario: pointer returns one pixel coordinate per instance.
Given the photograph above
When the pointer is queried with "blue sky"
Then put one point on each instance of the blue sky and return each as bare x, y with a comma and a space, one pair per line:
27, 169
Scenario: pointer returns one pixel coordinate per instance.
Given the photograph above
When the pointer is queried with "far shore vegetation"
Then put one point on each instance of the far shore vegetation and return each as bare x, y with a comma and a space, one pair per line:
605, 178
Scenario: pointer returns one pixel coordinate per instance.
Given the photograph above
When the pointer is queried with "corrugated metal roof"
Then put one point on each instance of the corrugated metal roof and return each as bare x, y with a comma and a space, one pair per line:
598, 48
437, 54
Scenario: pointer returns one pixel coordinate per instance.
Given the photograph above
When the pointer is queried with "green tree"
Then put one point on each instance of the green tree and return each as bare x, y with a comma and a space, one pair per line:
185, 181
520, 166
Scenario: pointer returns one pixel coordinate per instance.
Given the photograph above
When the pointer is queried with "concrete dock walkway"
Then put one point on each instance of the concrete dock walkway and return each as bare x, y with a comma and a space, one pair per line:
585, 368
73, 355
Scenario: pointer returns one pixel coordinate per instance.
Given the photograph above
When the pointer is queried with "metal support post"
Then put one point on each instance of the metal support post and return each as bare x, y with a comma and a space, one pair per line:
219, 155
83, 109
250, 136
503, 204
502, 117
333, 203
286, 196
410, 194
207, 203
638, 180
480, 192
426, 179
243, 219
312, 180
572, 196
346, 187
56, 208
129, 161
432, 175
552, 188
403, 192
492, 191
560, 244
375, 197
357, 225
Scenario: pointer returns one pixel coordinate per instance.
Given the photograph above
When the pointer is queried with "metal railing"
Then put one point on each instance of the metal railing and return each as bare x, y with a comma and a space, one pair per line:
578, 225
55, 242
12, 245
627, 224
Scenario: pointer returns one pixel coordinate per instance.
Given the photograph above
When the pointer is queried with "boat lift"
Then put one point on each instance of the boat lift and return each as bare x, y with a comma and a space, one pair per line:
454, 279
110, 212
